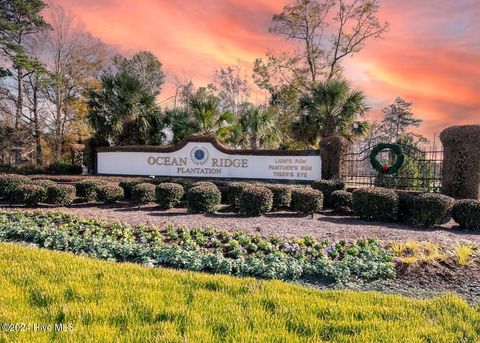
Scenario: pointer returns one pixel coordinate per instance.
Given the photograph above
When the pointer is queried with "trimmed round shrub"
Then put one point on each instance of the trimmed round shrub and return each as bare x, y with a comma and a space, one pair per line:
168, 195
341, 201
255, 201
467, 213
109, 193
44, 183
203, 183
327, 187
306, 200
143, 193
235, 189
29, 194
433, 209
60, 194
203, 199
9, 182
375, 203
127, 186
185, 183
87, 189
282, 196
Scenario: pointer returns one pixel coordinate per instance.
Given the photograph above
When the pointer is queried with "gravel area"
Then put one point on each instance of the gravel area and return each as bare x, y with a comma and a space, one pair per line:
284, 224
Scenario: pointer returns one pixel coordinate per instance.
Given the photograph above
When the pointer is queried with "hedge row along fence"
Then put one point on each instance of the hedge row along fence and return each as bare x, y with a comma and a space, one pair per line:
249, 199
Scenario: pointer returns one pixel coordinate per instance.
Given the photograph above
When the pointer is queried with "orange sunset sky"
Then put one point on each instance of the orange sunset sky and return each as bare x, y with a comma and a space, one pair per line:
430, 56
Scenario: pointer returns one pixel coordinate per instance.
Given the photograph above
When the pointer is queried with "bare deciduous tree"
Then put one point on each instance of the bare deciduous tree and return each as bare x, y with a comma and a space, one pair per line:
75, 59
233, 88
327, 31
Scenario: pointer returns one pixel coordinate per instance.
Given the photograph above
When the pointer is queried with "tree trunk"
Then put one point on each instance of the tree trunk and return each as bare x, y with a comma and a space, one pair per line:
18, 115
36, 130
58, 128
330, 127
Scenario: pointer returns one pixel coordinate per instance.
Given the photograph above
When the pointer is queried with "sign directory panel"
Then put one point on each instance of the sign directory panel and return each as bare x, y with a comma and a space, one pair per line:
209, 160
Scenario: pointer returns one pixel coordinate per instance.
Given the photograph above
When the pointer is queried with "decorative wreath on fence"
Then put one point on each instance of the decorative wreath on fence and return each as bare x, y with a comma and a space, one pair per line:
384, 168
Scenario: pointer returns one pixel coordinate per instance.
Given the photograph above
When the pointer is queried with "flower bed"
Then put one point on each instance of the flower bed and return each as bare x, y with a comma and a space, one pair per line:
201, 249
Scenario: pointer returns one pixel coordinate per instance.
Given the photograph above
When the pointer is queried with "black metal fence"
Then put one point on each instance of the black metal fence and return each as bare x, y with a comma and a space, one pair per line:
422, 170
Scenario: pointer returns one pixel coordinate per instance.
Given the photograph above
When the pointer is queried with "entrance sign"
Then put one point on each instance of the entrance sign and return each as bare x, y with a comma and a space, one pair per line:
205, 157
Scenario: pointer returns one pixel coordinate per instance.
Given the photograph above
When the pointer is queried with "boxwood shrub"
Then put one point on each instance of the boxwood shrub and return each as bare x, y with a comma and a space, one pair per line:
255, 201
341, 201
168, 195
143, 193
203, 199
109, 193
234, 191
8, 184
60, 194
42, 182
467, 213
127, 186
87, 189
282, 196
374, 203
327, 187
306, 200
29, 194
433, 209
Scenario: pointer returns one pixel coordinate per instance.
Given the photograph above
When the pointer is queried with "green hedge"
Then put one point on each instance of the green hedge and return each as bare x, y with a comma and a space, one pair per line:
433, 209
42, 182
255, 201
168, 195
282, 196
341, 201
375, 203
467, 213
8, 184
87, 189
235, 189
127, 186
327, 187
60, 194
143, 193
203, 199
62, 168
203, 183
306, 200
109, 193
29, 194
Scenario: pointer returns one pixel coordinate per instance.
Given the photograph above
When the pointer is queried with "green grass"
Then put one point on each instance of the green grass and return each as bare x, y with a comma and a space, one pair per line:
111, 302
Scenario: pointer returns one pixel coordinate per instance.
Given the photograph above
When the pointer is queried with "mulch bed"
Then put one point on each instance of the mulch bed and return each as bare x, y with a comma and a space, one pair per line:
283, 224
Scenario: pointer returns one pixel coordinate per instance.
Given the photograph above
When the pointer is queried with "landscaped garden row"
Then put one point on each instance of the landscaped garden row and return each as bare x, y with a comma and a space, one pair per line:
210, 250
251, 199
201, 249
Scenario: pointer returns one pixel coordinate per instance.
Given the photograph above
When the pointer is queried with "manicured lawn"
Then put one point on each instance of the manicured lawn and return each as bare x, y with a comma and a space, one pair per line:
129, 303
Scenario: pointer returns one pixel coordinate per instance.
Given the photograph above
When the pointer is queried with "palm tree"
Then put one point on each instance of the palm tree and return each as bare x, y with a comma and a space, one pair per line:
258, 128
123, 111
212, 121
331, 108
181, 123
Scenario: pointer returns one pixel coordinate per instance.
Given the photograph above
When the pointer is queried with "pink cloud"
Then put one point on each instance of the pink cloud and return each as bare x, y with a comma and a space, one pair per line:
430, 55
